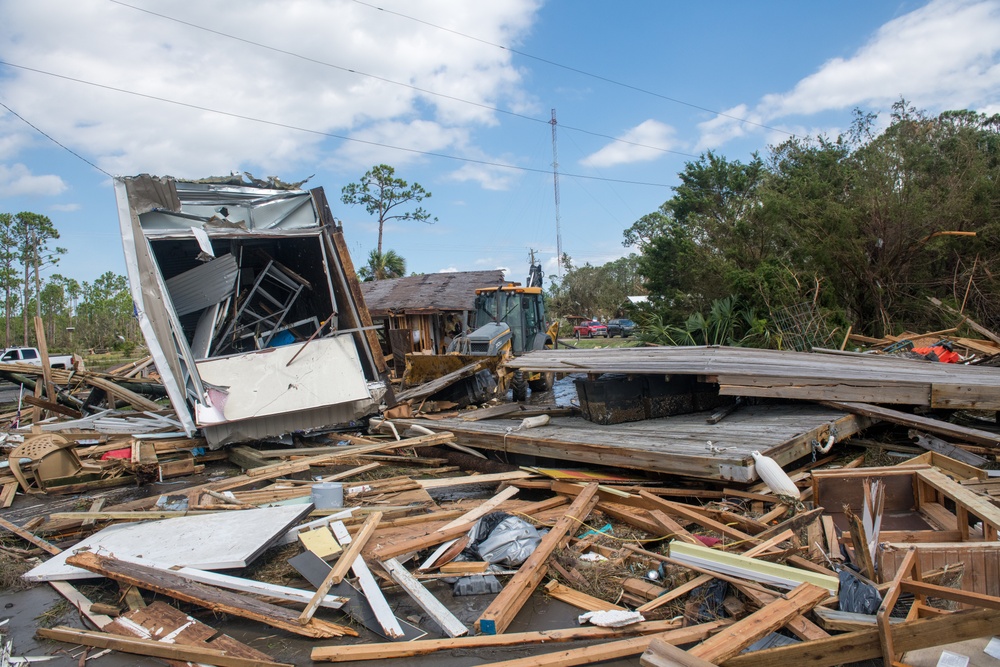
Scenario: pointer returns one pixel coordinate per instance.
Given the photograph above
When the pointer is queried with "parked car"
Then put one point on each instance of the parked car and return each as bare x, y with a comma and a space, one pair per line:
30, 355
590, 329
623, 328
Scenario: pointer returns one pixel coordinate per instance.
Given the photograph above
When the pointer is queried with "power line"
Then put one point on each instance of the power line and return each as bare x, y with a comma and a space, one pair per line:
391, 81
569, 68
319, 132
50, 138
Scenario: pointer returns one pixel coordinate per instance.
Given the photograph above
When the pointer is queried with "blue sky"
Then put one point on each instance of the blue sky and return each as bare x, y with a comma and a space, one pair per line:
772, 68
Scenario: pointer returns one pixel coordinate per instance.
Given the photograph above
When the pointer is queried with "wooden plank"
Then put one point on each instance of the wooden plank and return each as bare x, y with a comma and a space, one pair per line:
889, 599
376, 600
484, 508
164, 623
864, 644
622, 648
345, 562
505, 606
81, 602
243, 606
151, 647
964, 499
250, 586
732, 640
383, 651
676, 592
939, 446
30, 537
578, 599
800, 626
665, 654
795, 524
430, 604
7, 494
984, 438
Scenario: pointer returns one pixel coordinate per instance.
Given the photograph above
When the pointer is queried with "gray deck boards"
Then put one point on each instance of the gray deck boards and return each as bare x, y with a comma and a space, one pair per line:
798, 375
672, 445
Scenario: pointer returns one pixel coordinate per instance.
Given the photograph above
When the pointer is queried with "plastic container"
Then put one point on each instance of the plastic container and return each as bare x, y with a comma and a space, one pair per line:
328, 495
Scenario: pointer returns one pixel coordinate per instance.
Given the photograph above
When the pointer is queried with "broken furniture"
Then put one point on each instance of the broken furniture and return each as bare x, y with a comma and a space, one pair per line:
53, 463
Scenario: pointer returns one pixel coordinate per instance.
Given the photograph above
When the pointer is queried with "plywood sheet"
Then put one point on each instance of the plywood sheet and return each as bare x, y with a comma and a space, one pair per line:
206, 541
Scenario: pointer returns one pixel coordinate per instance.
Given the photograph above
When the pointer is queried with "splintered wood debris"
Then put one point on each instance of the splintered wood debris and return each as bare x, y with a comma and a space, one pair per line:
433, 550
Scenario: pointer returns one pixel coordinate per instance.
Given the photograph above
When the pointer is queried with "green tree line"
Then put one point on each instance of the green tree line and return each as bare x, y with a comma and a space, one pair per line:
853, 231
78, 316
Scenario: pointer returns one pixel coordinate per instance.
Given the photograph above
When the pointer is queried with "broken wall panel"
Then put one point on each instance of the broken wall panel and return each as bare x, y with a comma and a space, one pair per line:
277, 238
981, 561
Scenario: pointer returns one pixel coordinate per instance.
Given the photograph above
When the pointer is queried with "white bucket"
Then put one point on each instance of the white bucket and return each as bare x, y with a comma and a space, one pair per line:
328, 495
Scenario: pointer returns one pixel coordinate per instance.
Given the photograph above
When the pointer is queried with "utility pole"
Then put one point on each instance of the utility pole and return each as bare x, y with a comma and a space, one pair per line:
555, 182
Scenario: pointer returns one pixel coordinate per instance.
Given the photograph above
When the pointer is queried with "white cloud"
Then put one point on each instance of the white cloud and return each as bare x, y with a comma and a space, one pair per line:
17, 180
634, 146
943, 55
450, 269
115, 46
65, 208
488, 176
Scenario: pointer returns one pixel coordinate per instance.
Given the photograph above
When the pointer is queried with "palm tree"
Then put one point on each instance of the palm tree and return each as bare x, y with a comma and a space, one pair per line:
384, 265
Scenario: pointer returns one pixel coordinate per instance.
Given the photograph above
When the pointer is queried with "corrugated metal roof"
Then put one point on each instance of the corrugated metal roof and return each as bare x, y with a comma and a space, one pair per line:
429, 292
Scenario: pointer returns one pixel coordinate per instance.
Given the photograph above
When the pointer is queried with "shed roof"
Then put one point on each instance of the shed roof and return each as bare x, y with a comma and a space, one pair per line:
431, 292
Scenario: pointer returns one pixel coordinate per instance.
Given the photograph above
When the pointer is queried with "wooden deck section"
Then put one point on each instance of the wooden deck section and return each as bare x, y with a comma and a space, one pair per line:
843, 376
673, 445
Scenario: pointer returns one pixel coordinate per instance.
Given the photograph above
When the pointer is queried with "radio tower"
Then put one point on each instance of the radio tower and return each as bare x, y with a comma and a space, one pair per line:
555, 183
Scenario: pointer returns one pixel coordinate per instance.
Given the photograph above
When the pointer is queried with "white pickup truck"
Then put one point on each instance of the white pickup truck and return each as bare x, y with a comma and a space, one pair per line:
30, 355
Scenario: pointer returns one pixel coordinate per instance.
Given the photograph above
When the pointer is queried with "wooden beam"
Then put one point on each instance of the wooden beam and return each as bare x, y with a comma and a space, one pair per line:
984, 438
731, 641
430, 604
610, 650
578, 599
220, 600
889, 600
152, 647
384, 651
864, 644
30, 537
800, 626
344, 563
81, 602
505, 606
665, 654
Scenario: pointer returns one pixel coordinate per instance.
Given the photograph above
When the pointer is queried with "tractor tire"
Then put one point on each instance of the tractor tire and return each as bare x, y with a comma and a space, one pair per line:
543, 383
519, 387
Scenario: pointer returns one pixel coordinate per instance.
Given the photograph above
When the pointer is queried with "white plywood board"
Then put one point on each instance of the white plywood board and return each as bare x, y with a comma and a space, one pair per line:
260, 384
207, 541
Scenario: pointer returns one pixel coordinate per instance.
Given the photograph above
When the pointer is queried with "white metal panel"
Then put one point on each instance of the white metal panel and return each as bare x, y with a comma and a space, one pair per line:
203, 286
326, 372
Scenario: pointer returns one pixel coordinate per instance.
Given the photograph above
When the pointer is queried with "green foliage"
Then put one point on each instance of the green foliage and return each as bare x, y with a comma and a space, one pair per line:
104, 316
728, 322
382, 265
865, 226
383, 195
594, 291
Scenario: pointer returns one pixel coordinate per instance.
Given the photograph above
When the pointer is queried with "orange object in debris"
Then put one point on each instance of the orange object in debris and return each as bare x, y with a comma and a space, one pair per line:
938, 353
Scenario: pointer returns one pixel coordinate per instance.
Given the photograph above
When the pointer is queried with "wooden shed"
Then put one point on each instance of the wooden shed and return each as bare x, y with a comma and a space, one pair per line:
421, 313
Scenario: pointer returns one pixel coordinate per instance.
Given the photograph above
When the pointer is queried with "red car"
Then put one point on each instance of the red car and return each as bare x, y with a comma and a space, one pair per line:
590, 329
